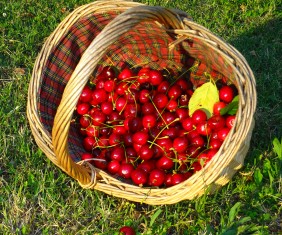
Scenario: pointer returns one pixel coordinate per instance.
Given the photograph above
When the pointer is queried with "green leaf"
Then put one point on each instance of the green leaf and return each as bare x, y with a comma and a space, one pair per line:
234, 211
231, 108
204, 97
258, 176
277, 147
154, 217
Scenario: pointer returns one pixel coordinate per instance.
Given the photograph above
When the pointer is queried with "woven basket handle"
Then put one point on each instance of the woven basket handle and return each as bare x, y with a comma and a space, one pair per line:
170, 19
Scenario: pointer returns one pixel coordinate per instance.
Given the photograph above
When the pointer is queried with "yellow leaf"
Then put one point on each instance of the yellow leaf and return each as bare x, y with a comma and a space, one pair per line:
204, 97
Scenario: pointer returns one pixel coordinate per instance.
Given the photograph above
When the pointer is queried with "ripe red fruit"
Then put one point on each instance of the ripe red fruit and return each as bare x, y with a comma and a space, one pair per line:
87, 157
149, 121
117, 153
107, 73
217, 107
139, 177
99, 96
203, 129
177, 178
155, 77
222, 134
84, 121
145, 152
107, 107
216, 122
156, 177
147, 166
125, 170
226, 94
144, 96
140, 137
82, 108
199, 116
98, 118
92, 131
198, 141
86, 95
164, 163
148, 108
215, 143
126, 230
163, 87
115, 139
120, 104
172, 105
88, 143
113, 167
230, 120
143, 75
174, 92
180, 144
109, 85
160, 100
126, 74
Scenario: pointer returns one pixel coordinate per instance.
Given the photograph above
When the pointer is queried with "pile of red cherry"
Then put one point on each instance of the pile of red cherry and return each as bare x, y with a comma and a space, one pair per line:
136, 125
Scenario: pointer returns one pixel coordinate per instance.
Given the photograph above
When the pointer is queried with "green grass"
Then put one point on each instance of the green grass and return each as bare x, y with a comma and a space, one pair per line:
37, 198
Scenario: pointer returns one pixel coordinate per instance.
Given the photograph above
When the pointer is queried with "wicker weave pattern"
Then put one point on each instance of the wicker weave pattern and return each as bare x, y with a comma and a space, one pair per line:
214, 53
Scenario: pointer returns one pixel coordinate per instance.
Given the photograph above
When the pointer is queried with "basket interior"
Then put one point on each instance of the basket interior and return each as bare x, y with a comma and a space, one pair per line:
147, 44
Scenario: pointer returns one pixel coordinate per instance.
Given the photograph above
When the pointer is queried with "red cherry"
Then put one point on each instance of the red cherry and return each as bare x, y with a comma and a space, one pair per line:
217, 107
198, 141
164, 163
125, 170
163, 87
164, 143
113, 167
230, 121
145, 152
98, 118
215, 143
131, 110
184, 84
120, 104
177, 178
193, 151
203, 129
107, 72
139, 177
143, 75
174, 92
87, 157
172, 105
92, 131
89, 142
121, 88
120, 130
115, 139
171, 132
144, 96
180, 144
126, 74
84, 121
160, 100
222, 134
199, 116
126, 230
187, 124
140, 137
134, 124
99, 96
82, 108
184, 100
181, 113
168, 180
86, 95
147, 166
148, 108
226, 94
216, 122
109, 85
156, 177
117, 153
155, 77
107, 107
149, 121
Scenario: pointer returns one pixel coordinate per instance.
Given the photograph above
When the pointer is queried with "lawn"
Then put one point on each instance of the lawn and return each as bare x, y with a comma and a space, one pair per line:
38, 198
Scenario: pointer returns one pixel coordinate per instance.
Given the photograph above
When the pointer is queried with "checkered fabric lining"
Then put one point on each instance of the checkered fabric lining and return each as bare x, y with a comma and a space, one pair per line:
145, 44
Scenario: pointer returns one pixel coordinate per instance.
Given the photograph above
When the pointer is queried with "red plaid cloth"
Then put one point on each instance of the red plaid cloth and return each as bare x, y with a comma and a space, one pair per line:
145, 44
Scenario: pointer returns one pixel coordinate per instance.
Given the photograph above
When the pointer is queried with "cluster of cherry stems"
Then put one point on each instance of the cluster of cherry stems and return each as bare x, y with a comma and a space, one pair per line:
136, 125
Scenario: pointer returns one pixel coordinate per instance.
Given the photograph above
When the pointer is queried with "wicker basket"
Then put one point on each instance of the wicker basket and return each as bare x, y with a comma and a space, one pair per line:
51, 102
